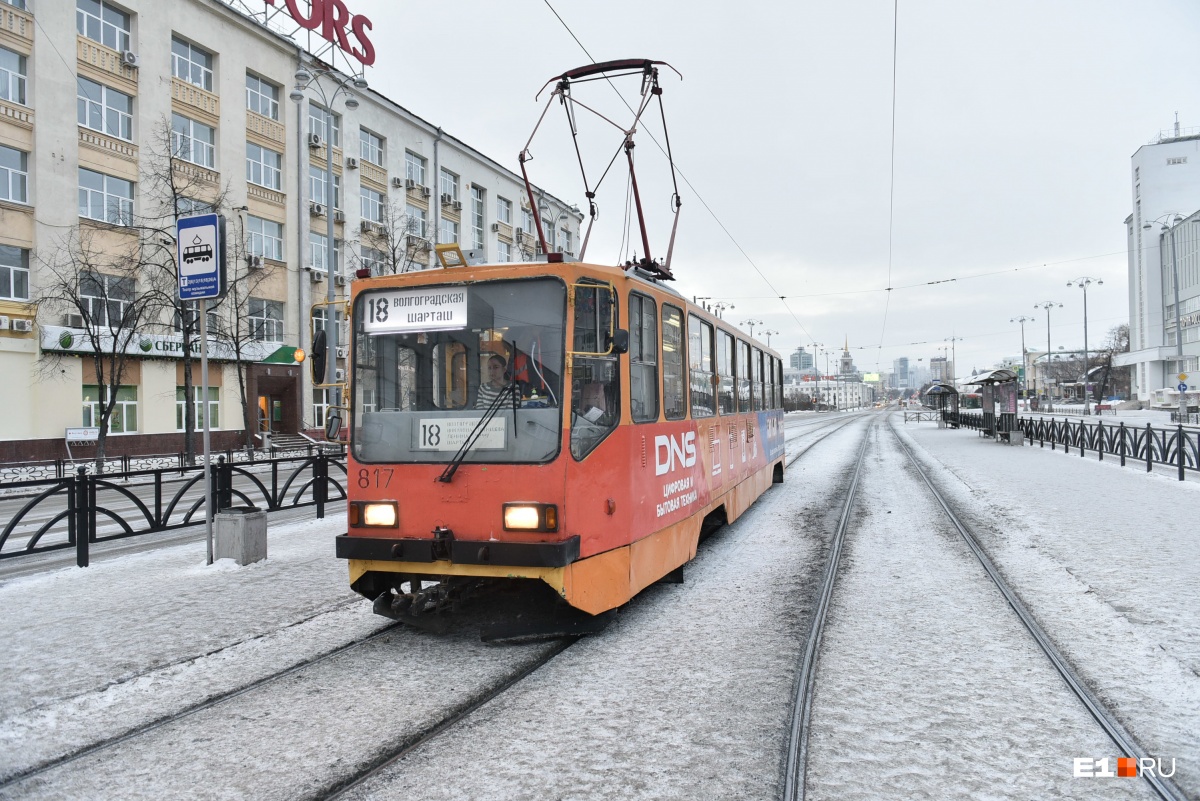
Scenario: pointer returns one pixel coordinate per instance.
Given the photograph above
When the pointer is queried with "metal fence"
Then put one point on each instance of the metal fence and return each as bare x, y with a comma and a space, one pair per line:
1174, 447
81, 508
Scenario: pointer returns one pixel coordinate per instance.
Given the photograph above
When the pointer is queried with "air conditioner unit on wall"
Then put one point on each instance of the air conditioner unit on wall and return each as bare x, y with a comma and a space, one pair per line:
409, 183
397, 182
339, 375
314, 140
73, 320
495, 228
456, 205
339, 279
342, 350
22, 325
3, 322
446, 199
317, 276
339, 216
129, 58
426, 191
255, 262
351, 163
316, 209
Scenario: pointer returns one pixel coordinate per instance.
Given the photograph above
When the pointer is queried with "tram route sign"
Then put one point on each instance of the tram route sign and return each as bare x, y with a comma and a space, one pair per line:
200, 256
396, 311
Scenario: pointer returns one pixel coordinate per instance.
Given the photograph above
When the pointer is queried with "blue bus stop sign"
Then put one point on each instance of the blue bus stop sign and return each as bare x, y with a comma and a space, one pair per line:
200, 256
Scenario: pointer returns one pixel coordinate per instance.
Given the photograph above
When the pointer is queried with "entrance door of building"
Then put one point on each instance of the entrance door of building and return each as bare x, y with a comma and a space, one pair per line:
270, 413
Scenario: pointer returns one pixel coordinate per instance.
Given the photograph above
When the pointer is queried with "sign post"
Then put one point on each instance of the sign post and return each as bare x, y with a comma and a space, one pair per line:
200, 260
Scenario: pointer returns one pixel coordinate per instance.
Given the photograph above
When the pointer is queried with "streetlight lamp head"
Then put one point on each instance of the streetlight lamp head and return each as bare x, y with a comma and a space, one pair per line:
1178, 219
360, 82
1148, 226
302, 76
1099, 281
352, 102
296, 95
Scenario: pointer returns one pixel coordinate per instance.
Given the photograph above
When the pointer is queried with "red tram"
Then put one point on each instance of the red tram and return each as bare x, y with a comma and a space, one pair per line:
566, 422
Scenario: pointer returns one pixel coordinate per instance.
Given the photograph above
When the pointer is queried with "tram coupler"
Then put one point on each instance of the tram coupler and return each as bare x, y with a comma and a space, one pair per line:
443, 542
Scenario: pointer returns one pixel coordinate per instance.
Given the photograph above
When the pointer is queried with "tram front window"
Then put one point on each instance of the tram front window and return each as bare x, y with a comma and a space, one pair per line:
436, 360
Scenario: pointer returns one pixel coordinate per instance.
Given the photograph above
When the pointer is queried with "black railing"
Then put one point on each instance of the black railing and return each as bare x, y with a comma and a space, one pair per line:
1174, 447
80, 508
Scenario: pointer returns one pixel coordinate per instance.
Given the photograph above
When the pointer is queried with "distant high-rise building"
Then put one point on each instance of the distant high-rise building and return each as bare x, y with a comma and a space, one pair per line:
1165, 183
801, 359
901, 376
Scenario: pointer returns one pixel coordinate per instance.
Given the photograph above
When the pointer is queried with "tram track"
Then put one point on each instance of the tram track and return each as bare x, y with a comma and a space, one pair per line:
1120, 737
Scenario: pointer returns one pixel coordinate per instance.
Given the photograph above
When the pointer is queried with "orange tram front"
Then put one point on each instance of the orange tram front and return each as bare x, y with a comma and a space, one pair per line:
571, 423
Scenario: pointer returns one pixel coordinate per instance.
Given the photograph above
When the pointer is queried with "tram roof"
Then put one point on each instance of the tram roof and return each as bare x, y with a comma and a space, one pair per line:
999, 376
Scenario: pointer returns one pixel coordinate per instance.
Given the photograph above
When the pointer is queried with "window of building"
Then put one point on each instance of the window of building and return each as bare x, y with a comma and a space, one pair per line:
105, 298
124, 417
190, 205
674, 388
448, 231
700, 366
14, 273
448, 184
318, 248
415, 222
371, 205
192, 64
15, 3
643, 358
318, 318
14, 175
504, 210
318, 118
527, 221
103, 109
193, 318
105, 198
12, 76
564, 241
725, 400
316, 187
265, 318
214, 407
320, 406
264, 167
414, 167
102, 23
374, 260
477, 221
264, 238
262, 97
193, 141
503, 252
370, 147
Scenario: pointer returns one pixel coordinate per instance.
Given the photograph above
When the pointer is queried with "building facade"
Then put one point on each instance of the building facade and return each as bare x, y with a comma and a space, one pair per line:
1165, 184
115, 119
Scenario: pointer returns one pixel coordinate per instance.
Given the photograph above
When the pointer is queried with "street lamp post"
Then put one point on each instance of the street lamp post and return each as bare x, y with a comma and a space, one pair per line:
768, 333
1047, 305
953, 360
1175, 222
1083, 283
751, 322
310, 79
1022, 319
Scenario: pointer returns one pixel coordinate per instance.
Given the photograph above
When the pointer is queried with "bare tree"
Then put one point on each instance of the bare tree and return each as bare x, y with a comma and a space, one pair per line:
398, 244
1118, 378
93, 277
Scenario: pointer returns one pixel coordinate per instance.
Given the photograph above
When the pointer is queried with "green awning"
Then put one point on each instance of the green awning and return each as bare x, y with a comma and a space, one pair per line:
285, 355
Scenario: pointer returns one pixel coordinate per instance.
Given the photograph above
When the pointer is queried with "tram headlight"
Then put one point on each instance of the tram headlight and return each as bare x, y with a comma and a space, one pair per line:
376, 514
530, 517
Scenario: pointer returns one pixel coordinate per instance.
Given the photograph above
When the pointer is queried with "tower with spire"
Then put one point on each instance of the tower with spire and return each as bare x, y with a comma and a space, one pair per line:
846, 364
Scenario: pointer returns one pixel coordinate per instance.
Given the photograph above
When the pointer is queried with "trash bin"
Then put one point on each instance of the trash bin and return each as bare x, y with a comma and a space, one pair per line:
240, 534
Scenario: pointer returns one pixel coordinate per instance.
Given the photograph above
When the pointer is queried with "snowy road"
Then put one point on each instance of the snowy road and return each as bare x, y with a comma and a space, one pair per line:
926, 686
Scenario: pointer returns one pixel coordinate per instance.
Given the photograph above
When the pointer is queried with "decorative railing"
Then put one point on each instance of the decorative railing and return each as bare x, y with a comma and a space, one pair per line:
197, 100
267, 195
1176, 447
16, 22
16, 113
196, 172
373, 173
316, 156
265, 127
107, 61
80, 508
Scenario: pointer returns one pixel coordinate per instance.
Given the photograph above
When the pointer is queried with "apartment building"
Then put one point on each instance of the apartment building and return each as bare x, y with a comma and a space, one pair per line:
117, 117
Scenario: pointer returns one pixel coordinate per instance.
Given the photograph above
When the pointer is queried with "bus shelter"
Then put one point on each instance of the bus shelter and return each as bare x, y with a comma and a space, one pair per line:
999, 401
943, 398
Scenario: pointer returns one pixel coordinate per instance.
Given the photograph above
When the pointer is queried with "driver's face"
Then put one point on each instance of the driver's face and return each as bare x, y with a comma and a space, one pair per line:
495, 371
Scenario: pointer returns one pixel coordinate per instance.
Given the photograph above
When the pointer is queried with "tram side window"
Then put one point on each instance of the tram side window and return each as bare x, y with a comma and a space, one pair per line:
771, 382
725, 400
595, 379
674, 397
743, 377
643, 358
760, 382
778, 384
700, 364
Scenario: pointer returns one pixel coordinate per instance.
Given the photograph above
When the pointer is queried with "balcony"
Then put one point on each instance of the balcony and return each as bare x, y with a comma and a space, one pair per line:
373, 173
196, 102
106, 65
266, 195
271, 132
108, 145
16, 25
16, 114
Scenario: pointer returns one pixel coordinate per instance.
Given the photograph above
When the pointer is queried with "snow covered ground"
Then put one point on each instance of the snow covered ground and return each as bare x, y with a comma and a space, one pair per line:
926, 688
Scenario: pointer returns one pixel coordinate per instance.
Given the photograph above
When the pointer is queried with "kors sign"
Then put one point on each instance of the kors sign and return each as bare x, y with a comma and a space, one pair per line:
333, 18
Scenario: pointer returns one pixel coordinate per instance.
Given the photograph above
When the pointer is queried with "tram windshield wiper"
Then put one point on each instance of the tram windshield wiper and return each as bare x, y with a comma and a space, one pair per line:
510, 389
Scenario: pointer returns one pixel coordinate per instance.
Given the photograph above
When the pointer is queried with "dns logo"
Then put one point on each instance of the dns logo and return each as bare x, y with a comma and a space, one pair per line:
671, 452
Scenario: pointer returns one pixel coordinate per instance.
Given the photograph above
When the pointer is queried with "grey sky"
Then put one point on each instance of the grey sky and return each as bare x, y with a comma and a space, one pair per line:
1015, 122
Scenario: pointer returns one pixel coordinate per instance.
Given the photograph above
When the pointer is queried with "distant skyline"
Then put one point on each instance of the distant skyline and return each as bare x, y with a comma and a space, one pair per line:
1014, 126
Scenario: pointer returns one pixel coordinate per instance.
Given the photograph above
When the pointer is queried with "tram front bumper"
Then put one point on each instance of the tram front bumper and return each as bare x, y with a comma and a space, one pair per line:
456, 551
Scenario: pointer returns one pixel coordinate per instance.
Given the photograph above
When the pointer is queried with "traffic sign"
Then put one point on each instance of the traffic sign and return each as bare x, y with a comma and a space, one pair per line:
1182, 387
201, 256
1183, 376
